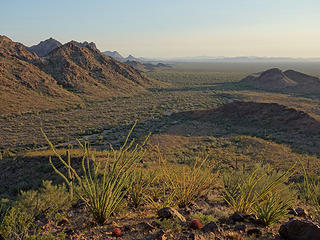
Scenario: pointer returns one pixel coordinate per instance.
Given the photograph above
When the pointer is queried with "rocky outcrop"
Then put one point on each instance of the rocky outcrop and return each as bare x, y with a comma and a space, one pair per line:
84, 69
299, 230
44, 47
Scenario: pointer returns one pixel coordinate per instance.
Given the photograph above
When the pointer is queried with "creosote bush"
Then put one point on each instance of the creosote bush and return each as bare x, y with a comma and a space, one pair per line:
17, 220
102, 188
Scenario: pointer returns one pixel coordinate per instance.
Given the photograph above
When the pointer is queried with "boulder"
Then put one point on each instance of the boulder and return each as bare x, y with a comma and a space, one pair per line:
211, 227
168, 212
299, 230
254, 232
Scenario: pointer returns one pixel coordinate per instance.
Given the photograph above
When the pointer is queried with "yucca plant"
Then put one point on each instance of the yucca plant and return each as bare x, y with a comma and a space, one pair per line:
272, 209
188, 183
247, 193
102, 188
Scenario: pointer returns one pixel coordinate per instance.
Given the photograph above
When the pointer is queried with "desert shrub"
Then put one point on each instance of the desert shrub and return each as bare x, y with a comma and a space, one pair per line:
47, 201
140, 186
171, 224
188, 183
102, 188
203, 218
243, 190
15, 223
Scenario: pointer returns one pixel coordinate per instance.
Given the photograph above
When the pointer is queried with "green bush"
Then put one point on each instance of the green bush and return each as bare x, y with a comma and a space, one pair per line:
204, 219
15, 224
47, 201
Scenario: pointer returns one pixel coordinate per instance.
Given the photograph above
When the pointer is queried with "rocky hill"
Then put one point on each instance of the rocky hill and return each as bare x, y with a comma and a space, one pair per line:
114, 55
271, 115
63, 76
290, 80
44, 47
84, 44
86, 70
267, 120
24, 86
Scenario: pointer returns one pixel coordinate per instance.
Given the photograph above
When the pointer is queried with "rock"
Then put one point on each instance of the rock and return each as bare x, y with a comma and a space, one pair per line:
210, 227
156, 224
195, 224
254, 232
196, 236
79, 204
160, 235
69, 232
146, 226
116, 232
64, 221
299, 230
168, 212
242, 217
301, 212
240, 228
292, 212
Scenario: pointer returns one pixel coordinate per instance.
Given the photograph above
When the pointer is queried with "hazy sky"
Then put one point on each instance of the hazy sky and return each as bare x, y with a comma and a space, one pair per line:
171, 28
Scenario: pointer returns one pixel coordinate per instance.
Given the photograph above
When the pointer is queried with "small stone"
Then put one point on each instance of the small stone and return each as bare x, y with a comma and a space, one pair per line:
254, 232
64, 221
69, 232
210, 227
146, 226
240, 228
116, 232
292, 212
239, 217
301, 212
168, 212
156, 224
160, 235
195, 224
300, 230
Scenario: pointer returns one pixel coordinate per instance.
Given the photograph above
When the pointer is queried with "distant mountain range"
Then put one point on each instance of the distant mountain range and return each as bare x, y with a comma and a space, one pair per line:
51, 75
234, 59
119, 57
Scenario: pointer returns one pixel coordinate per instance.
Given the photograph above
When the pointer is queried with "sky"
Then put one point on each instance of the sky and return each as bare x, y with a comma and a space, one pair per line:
171, 28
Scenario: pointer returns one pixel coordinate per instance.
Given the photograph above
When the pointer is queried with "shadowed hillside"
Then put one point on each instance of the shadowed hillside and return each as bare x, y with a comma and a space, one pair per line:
44, 47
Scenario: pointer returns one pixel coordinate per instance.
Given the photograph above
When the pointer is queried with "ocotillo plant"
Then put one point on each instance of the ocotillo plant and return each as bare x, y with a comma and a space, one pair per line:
102, 192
